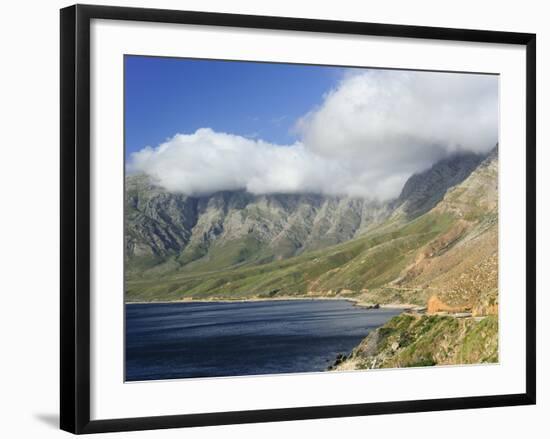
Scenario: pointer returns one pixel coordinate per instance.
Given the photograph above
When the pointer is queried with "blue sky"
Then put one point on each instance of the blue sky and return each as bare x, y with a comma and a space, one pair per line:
166, 96
280, 128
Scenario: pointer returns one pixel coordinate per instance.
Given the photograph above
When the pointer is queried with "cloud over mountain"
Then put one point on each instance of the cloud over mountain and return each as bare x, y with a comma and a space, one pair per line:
370, 133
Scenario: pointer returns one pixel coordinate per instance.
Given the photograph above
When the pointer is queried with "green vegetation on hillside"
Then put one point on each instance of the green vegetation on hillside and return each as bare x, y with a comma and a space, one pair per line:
367, 262
410, 340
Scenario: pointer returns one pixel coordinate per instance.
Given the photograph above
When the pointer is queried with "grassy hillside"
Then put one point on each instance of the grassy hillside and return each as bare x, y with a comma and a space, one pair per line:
410, 340
350, 268
438, 254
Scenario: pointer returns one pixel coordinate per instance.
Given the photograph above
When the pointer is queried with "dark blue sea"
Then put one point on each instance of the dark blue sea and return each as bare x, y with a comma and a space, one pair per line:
185, 340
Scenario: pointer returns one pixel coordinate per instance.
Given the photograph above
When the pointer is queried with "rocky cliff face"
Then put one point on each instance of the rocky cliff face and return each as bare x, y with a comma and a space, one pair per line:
229, 228
423, 191
171, 231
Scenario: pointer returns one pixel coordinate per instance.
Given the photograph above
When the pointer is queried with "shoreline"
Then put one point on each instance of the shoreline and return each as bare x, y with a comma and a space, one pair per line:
356, 302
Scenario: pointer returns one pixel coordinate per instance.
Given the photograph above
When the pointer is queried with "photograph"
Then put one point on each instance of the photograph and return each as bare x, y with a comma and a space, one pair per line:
275, 219
291, 218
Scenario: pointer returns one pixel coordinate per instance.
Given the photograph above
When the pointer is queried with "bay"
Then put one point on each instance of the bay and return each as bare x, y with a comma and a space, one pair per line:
215, 339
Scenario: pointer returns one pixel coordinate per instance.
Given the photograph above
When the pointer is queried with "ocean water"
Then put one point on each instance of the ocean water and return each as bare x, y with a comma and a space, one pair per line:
189, 340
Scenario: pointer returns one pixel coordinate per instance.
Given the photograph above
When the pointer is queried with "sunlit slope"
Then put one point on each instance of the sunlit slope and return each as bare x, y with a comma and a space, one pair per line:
350, 268
410, 340
460, 270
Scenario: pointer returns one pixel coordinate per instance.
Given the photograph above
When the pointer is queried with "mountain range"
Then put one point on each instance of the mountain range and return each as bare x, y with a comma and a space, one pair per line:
434, 245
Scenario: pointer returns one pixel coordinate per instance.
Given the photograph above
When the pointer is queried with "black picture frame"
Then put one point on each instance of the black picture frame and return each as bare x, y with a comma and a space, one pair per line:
75, 217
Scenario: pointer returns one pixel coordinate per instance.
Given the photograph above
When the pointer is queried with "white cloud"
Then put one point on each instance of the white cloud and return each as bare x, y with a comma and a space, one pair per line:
208, 161
370, 133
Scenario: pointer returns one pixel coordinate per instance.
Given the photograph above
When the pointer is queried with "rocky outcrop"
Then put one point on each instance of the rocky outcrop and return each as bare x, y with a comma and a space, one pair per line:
412, 340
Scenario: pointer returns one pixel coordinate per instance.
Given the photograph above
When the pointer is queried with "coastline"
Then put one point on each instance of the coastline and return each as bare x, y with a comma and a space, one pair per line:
341, 359
356, 302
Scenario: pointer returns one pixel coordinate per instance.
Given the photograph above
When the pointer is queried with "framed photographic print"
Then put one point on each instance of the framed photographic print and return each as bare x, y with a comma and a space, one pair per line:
268, 218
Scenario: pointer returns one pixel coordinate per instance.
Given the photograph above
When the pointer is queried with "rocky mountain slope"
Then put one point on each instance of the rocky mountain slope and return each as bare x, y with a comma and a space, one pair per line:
167, 232
423, 191
459, 270
231, 228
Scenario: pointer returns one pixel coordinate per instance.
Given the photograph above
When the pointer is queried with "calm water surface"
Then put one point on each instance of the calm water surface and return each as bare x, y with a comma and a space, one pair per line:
184, 340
